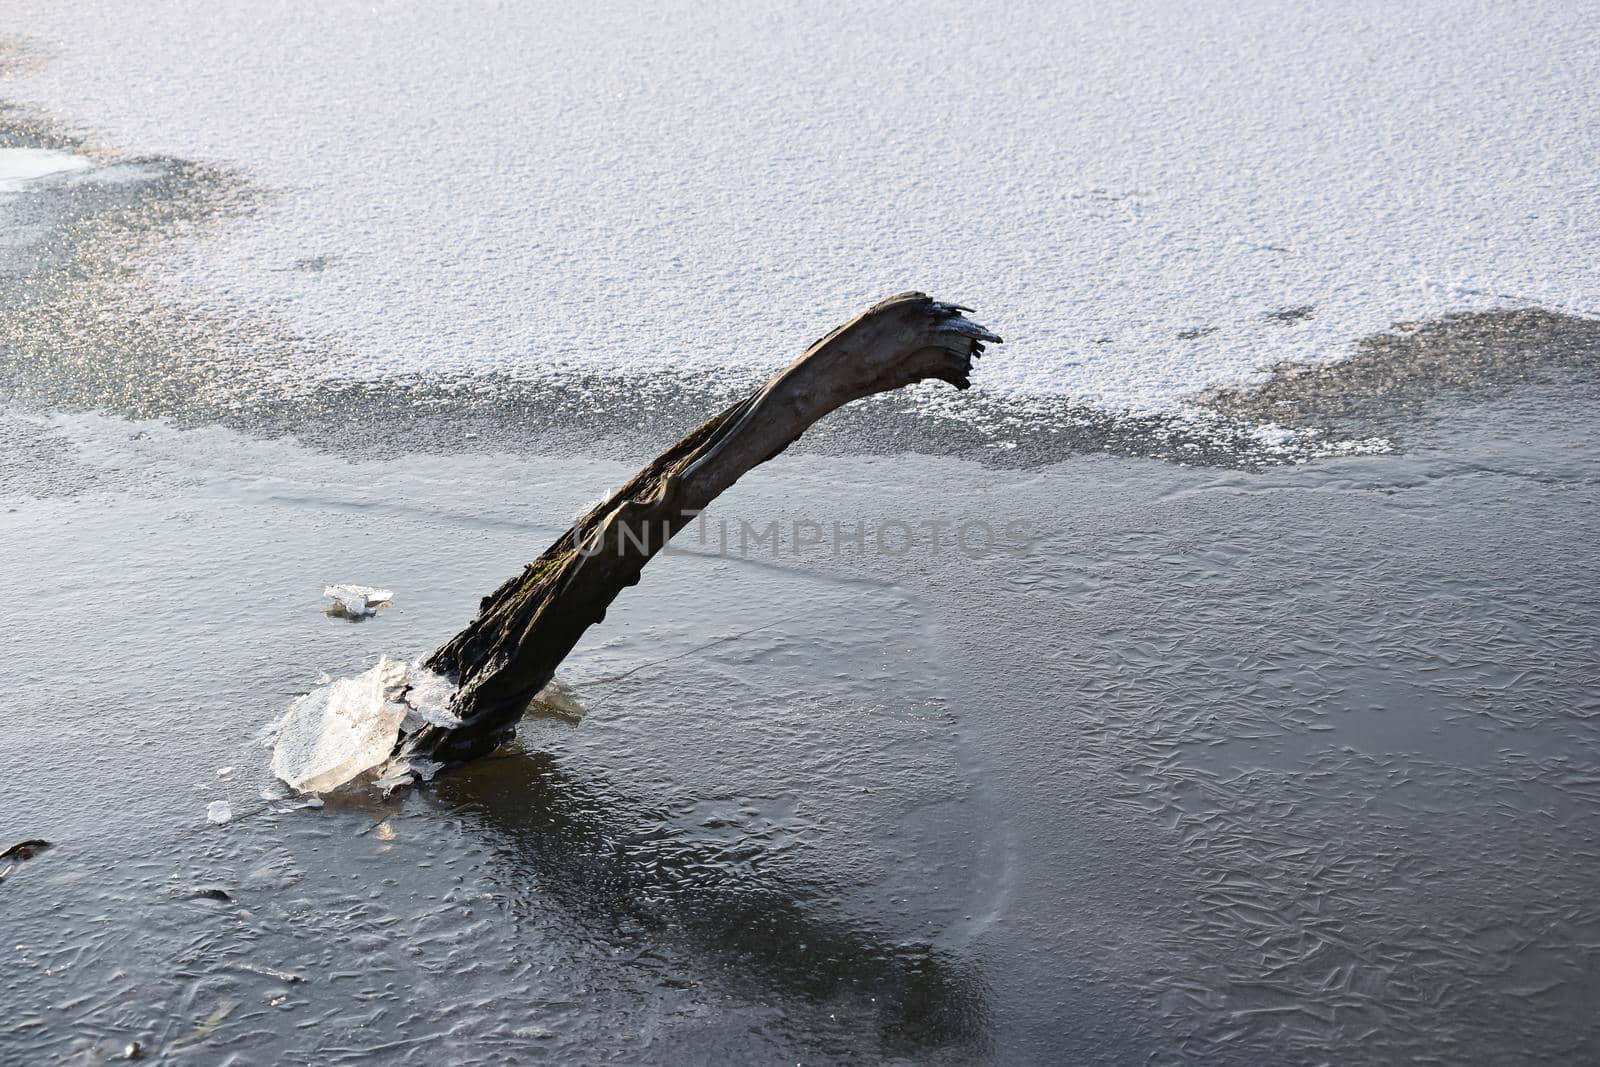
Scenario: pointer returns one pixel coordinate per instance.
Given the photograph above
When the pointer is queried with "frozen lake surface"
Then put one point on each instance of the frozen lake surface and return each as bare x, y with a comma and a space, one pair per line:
1145, 199
1225, 767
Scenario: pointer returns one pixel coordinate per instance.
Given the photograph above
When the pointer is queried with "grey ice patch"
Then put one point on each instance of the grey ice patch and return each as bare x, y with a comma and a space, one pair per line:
42, 462
1391, 376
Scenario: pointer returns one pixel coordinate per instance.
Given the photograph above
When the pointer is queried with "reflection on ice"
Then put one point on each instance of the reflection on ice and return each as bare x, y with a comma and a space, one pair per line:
670, 895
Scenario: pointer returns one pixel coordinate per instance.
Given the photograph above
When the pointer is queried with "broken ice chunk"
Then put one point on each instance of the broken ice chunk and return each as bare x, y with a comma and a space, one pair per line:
218, 812
355, 601
339, 730
428, 700
425, 768
350, 726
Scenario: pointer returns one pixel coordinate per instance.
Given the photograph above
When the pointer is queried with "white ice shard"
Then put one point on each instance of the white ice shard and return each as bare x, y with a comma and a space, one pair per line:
355, 601
339, 730
218, 812
396, 773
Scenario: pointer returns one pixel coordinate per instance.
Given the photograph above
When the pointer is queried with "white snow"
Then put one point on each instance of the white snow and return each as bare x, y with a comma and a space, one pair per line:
534, 188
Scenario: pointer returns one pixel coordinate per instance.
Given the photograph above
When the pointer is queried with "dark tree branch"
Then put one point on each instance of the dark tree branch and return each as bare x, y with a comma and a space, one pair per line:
527, 627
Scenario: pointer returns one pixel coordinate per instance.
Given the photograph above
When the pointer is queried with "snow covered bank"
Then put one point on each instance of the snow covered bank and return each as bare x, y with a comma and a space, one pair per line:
1146, 200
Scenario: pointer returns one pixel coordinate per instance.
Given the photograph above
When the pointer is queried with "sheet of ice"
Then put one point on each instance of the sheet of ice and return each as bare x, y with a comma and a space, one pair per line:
356, 601
218, 812
342, 729
349, 726
1143, 198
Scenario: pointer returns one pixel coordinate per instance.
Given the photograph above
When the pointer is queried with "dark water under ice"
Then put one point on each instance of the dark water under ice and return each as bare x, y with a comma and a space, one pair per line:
1291, 766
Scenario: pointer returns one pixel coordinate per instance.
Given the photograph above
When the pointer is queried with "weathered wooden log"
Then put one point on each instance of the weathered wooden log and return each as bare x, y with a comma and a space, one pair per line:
525, 628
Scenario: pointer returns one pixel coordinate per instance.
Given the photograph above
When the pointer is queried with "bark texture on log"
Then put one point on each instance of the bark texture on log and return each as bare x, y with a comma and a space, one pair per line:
525, 628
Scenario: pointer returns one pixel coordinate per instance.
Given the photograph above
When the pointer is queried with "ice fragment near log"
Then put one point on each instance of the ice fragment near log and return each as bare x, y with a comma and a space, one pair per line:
339, 730
557, 701
428, 699
350, 726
